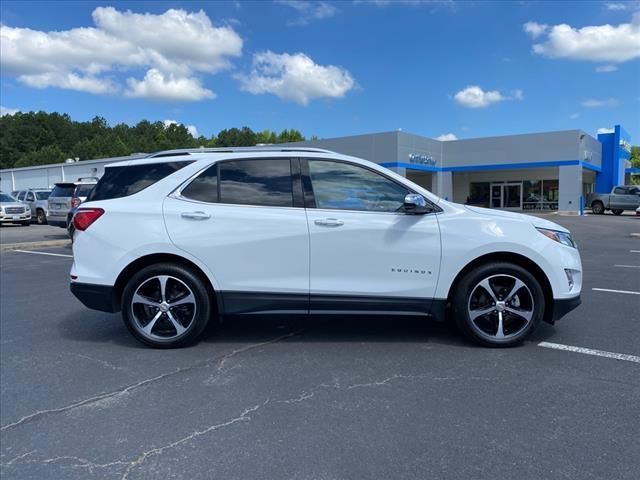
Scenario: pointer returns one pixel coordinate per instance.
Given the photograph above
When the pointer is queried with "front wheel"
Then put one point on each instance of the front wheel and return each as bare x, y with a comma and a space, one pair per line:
41, 218
498, 305
166, 306
617, 211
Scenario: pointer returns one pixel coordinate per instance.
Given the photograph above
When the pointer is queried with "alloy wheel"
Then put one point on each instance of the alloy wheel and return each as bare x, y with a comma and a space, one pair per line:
500, 307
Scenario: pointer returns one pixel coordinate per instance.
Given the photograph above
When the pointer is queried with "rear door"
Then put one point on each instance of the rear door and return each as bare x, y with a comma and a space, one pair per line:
245, 220
367, 254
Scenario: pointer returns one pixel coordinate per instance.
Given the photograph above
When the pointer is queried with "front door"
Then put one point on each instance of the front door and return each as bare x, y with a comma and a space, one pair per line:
367, 254
506, 195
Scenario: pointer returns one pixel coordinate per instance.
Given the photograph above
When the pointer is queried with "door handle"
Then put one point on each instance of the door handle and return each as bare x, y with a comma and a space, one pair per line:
195, 215
329, 222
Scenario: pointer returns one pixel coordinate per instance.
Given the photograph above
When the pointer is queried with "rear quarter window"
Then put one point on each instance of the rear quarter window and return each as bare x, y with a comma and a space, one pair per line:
118, 182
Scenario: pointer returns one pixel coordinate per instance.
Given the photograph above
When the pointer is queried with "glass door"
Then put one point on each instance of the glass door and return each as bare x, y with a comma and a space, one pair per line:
496, 195
512, 195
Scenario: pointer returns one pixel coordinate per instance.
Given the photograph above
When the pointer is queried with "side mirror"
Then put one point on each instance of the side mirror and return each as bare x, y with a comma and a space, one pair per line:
415, 204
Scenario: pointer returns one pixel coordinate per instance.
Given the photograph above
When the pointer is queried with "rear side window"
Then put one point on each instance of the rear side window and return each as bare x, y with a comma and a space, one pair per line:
83, 190
63, 190
204, 188
265, 182
120, 182
42, 195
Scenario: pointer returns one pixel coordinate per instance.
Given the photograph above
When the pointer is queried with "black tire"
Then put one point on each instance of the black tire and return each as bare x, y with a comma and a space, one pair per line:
597, 207
180, 276
516, 329
617, 211
41, 218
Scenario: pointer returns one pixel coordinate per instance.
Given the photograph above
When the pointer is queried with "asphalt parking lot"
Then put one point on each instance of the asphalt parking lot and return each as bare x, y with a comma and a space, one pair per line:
336, 398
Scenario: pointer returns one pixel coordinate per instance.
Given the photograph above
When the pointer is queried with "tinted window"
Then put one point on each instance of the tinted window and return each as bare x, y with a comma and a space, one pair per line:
120, 182
30, 197
21, 196
42, 195
257, 182
620, 191
344, 186
65, 190
204, 187
83, 190
6, 198
634, 191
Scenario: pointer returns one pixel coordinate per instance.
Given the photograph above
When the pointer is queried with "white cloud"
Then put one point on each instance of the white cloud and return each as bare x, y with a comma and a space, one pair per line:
295, 77
622, 6
606, 68
573, 116
8, 111
474, 97
602, 43
190, 128
168, 87
176, 43
447, 137
535, 29
309, 10
597, 103
604, 130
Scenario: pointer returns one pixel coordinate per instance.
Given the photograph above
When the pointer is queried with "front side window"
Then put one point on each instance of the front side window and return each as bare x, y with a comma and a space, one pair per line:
42, 195
30, 197
21, 196
343, 186
265, 182
620, 191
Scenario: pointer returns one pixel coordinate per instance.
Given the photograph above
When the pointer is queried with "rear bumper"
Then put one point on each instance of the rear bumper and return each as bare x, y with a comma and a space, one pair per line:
563, 306
96, 297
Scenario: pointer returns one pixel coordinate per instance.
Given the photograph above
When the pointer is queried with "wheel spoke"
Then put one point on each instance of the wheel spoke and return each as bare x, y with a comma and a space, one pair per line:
487, 286
526, 314
163, 286
517, 285
137, 298
473, 314
176, 324
189, 298
500, 331
149, 326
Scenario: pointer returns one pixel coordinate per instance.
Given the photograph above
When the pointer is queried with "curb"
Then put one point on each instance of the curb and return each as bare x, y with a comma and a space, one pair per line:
31, 245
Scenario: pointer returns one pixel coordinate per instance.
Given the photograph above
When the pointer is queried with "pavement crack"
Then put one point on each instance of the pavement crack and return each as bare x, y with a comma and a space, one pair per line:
97, 360
126, 390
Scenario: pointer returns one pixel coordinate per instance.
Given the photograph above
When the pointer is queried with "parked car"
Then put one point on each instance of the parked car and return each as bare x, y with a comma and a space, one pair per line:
638, 211
174, 242
36, 199
66, 195
621, 198
13, 211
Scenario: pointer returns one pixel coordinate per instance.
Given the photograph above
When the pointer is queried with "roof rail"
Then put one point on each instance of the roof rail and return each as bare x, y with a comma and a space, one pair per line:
189, 151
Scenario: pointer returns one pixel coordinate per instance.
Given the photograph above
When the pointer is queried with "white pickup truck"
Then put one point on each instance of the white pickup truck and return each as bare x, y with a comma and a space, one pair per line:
621, 198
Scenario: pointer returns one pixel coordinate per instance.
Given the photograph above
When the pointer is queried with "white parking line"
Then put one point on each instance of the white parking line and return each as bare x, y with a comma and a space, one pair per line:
615, 291
44, 253
634, 251
591, 351
627, 266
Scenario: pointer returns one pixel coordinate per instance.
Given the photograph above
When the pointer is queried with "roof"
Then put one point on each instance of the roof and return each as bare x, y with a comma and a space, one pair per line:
265, 148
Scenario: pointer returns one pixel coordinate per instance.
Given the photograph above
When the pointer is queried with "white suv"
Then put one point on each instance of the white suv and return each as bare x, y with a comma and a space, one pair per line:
185, 238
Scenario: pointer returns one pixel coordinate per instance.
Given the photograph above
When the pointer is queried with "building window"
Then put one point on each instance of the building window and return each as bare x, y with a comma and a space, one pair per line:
532, 195
587, 188
479, 194
550, 192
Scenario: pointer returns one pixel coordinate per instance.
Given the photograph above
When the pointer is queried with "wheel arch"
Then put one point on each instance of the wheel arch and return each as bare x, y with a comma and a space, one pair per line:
516, 259
155, 258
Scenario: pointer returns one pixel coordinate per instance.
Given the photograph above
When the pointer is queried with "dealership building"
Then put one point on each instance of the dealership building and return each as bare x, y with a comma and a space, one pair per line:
535, 171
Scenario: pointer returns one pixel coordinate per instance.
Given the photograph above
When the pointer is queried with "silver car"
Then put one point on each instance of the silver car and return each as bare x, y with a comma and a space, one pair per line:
65, 196
36, 199
13, 211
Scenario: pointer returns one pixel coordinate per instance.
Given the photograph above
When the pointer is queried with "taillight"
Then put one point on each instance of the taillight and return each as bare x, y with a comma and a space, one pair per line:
75, 202
84, 217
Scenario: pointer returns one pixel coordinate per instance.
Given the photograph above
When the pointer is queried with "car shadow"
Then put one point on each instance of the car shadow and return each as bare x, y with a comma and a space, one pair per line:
97, 327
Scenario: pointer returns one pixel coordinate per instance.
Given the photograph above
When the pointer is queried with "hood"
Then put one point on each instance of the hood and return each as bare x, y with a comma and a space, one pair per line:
12, 204
535, 221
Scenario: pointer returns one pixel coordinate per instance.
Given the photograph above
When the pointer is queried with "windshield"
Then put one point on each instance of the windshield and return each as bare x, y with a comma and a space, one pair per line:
42, 195
4, 198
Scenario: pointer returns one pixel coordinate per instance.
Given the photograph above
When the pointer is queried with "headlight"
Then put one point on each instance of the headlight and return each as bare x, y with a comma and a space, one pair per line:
560, 237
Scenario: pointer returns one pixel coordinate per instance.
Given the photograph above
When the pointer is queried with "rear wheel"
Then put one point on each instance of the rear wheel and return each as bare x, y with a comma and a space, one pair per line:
617, 211
41, 218
498, 304
166, 306
597, 208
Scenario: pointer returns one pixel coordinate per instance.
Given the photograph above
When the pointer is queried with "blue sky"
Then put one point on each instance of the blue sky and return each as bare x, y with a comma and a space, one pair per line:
329, 69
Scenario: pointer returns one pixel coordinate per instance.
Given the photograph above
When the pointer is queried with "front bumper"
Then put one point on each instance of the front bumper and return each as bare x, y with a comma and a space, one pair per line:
563, 306
16, 218
96, 297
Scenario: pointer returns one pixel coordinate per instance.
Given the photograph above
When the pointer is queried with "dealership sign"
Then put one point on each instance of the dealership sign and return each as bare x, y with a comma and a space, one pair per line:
625, 145
421, 159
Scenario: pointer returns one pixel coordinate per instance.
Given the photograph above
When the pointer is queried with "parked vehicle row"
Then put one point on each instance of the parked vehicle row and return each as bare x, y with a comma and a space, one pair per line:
13, 211
36, 199
181, 240
621, 198
67, 196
